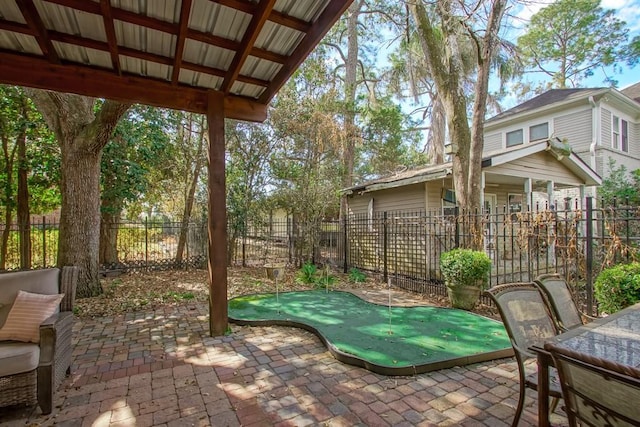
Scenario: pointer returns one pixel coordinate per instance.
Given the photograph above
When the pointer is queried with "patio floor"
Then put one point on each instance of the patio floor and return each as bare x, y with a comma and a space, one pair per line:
161, 368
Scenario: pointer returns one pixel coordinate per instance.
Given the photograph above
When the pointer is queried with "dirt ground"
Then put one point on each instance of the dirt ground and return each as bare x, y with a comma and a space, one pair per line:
149, 290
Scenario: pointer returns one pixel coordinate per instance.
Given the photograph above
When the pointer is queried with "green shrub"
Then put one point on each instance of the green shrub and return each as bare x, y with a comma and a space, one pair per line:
357, 276
307, 274
324, 281
618, 287
465, 267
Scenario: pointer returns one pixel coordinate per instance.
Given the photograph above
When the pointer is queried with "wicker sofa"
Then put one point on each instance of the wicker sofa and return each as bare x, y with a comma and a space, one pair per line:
32, 371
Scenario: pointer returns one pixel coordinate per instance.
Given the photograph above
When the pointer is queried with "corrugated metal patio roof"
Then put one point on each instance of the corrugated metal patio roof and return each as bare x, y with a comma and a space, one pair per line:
244, 49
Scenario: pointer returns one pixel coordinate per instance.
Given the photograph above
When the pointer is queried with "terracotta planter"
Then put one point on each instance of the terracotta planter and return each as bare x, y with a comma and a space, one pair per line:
464, 297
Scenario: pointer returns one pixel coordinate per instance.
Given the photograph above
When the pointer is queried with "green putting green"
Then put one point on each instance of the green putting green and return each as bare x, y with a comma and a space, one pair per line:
383, 339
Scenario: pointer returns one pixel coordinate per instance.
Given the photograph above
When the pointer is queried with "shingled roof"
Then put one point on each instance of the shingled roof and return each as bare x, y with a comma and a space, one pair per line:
552, 96
632, 92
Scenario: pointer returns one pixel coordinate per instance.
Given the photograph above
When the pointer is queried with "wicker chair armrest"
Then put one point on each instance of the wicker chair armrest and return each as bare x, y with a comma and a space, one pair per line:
51, 330
68, 284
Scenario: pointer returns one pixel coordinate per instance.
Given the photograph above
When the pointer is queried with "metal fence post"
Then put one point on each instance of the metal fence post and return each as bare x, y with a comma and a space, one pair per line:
146, 242
385, 242
44, 241
589, 256
290, 236
345, 250
457, 231
244, 242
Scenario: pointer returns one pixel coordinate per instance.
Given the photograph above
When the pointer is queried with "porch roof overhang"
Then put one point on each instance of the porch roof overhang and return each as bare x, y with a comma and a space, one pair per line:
556, 148
166, 53
222, 58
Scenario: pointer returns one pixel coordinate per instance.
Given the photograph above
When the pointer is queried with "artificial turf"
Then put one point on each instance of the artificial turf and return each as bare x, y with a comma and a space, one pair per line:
388, 340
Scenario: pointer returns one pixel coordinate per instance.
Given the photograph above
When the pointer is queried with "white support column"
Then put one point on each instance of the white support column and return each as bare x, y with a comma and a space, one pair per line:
528, 185
550, 186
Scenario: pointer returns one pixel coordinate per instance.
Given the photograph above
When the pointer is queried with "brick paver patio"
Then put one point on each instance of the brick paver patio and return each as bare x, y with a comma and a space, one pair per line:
161, 368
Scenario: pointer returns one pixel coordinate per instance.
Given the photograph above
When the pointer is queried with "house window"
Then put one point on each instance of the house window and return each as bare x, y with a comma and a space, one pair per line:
620, 136
540, 131
448, 202
515, 137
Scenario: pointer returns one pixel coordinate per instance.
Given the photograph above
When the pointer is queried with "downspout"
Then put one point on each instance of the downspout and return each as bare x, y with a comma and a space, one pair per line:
595, 131
595, 141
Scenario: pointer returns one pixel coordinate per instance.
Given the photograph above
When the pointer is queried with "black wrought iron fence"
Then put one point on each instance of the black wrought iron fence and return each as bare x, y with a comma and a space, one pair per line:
155, 245
400, 247
405, 248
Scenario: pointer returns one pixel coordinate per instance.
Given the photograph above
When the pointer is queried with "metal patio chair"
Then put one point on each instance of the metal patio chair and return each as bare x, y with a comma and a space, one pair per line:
596, 392
563, 306
528, 322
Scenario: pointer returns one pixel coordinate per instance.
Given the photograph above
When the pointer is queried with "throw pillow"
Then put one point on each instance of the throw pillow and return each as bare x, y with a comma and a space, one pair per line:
29, 310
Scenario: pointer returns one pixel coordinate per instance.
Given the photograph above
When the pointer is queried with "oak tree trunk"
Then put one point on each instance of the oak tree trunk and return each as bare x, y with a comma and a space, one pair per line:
82, 131
9, 156
80, 213
350, 86
24, 220
190, 196
109, 235
444, 56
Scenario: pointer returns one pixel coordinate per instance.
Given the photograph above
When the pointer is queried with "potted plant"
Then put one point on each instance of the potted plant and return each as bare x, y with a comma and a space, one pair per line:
466, 274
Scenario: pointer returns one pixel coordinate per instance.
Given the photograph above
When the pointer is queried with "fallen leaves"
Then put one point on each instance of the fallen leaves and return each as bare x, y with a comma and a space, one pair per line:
142, 290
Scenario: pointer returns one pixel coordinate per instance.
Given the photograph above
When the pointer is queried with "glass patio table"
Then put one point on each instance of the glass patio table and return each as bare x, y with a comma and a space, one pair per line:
615, 338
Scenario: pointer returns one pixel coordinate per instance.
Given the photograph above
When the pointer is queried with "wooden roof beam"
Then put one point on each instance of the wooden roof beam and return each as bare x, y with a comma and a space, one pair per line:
242, 6
325, 21
110, 30
22, 70
182, 34
31, 16
16, 27
275, 16
289, 21
146, 56
171, 28
248, 39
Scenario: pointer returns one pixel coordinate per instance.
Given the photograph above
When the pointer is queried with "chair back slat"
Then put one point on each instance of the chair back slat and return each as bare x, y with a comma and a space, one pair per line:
556, 289
596, 392
524, 314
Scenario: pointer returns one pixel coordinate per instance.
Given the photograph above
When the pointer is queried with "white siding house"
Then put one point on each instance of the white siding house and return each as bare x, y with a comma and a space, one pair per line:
599, 124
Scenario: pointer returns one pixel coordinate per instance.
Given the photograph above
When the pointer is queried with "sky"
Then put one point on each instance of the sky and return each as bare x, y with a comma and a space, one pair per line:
626, 10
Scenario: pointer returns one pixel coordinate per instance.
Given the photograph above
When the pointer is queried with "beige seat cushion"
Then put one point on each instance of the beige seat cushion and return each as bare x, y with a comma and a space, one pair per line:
18, 357
27, 313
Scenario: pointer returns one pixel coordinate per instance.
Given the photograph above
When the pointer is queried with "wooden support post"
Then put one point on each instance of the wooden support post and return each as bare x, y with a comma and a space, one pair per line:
217, 218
